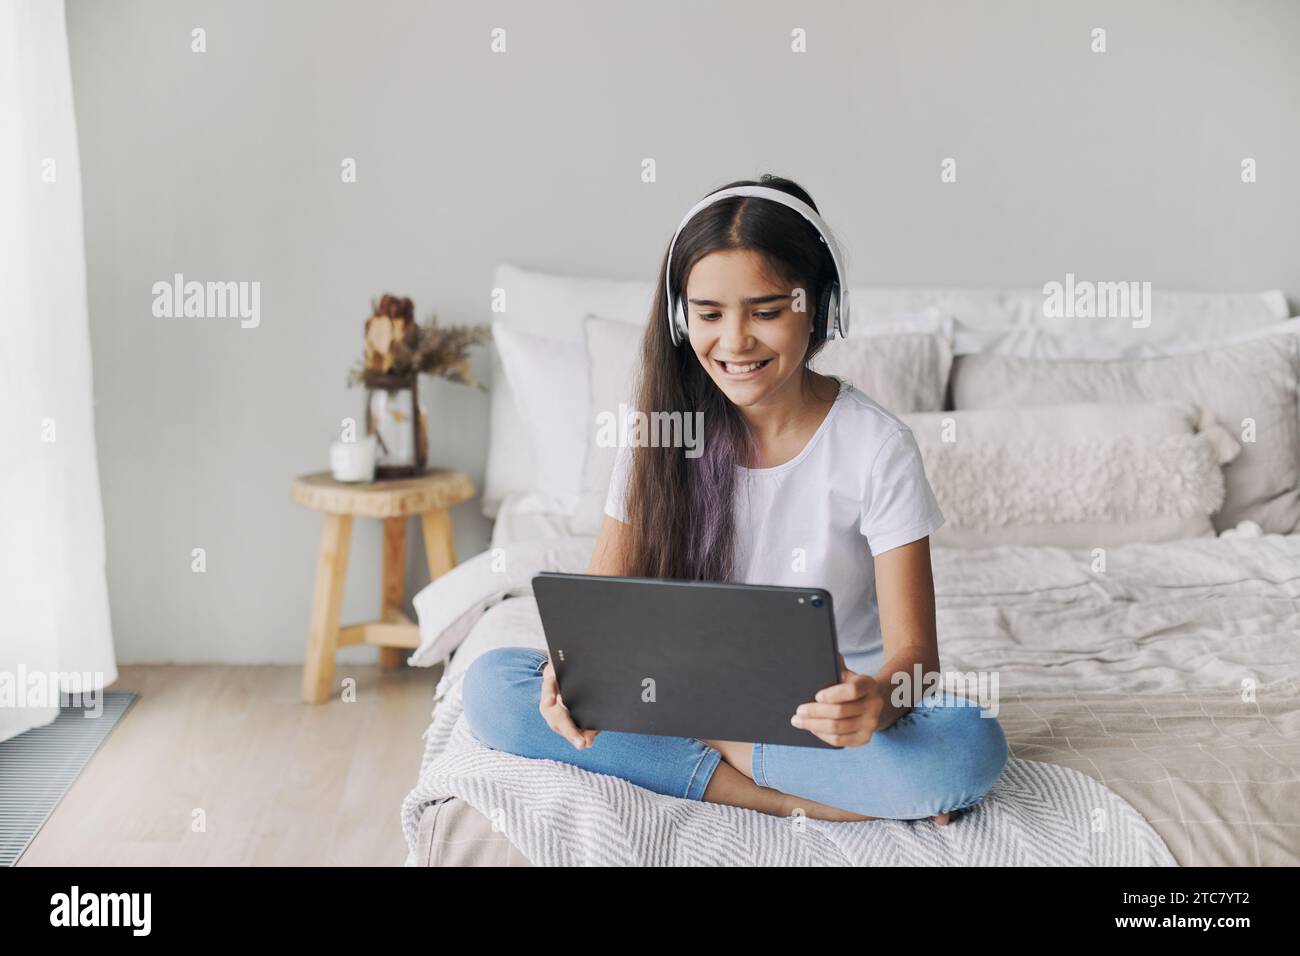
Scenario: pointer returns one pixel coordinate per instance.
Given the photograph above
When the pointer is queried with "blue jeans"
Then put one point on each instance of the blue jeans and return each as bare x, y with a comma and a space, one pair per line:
933, 759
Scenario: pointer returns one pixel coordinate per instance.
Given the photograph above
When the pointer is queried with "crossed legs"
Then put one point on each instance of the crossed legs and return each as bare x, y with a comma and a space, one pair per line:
938, 759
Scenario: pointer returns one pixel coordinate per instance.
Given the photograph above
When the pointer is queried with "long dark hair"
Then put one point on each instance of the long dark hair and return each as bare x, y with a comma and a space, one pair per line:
680, 509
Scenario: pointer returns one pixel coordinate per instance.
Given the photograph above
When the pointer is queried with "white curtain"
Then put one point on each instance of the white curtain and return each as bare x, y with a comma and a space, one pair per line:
54, 616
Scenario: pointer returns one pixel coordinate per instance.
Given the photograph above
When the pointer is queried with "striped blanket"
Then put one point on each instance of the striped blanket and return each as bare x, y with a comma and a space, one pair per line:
1037, 814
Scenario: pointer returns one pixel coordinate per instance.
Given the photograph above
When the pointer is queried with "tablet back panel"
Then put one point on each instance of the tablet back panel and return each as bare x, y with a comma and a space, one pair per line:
688, 658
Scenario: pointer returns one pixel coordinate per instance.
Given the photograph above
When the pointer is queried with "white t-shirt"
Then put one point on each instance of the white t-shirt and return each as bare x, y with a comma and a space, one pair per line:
856, 490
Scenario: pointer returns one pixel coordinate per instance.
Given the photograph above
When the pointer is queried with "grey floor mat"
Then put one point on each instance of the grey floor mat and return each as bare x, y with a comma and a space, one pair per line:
37, 768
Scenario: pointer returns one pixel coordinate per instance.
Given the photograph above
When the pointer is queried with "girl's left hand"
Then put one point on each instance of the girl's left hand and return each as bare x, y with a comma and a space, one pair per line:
844, 714
848, 715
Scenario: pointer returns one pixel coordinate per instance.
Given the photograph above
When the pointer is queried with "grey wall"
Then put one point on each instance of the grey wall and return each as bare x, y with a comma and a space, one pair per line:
225, 165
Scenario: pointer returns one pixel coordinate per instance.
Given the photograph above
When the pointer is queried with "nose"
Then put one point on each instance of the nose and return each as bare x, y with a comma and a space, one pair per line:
734, 337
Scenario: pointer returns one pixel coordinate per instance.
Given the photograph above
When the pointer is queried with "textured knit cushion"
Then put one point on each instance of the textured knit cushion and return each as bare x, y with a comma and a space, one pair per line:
1074, 476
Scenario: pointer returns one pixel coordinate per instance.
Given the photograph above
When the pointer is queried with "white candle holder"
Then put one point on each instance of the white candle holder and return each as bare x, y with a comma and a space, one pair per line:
353, 461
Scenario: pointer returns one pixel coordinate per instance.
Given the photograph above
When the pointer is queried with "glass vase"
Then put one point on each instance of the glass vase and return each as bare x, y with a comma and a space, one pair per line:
395, 418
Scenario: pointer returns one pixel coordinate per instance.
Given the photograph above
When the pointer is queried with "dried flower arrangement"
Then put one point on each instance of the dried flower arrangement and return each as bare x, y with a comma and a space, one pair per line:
397, 346
398, 351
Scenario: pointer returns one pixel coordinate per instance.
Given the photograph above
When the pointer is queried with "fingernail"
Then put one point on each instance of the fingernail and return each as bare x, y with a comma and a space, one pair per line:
819, 697
801, 709
796, 720
577, 742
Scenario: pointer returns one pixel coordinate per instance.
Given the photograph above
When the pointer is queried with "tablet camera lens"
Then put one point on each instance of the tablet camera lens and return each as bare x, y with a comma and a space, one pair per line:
815, 601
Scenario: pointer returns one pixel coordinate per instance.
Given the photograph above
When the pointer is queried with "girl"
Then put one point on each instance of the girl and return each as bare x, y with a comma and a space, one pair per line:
803, 480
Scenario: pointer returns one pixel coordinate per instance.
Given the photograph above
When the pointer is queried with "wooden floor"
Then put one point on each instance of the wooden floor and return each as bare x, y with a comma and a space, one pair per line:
279, 782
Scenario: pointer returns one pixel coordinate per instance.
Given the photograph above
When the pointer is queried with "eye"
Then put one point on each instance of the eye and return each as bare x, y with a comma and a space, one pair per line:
769, 314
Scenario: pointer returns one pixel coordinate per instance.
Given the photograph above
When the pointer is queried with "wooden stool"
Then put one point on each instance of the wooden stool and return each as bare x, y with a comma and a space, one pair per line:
430, 496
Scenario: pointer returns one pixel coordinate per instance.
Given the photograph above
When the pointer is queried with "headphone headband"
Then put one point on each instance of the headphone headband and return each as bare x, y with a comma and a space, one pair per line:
837, 318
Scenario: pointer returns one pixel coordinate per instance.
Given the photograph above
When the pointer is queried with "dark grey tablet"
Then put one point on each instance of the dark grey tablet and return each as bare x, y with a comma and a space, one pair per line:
688, 658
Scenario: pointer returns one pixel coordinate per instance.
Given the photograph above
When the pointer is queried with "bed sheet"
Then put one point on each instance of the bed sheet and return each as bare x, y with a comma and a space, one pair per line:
1170, 673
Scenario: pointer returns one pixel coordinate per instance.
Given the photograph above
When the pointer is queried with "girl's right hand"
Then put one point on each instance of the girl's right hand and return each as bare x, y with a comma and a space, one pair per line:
556, 714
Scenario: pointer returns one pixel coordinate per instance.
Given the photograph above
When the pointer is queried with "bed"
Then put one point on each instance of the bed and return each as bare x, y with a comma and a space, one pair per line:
1152, 708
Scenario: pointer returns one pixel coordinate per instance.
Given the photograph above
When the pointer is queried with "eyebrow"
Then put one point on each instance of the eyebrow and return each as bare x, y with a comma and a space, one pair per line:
752, 300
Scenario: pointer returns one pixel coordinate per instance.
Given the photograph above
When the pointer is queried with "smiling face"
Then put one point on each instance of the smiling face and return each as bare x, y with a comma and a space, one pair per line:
743, 327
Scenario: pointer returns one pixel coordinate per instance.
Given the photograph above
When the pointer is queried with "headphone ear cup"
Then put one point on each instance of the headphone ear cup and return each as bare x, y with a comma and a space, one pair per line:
679, 323
822, 326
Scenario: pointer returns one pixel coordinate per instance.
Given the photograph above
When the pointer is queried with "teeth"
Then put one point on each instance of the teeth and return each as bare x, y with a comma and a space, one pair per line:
741, 369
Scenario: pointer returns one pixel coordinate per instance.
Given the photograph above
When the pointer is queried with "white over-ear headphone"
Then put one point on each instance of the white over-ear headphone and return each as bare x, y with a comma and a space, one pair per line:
832, 311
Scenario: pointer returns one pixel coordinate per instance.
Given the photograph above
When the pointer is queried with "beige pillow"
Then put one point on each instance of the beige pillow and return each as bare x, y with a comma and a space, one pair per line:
1253, 384
1074, 476
904, 373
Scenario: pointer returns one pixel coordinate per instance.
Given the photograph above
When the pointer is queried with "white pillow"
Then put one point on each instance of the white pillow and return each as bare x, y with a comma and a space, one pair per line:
1038, 343
548, 378
1175, 316
552, 306
1074, 476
